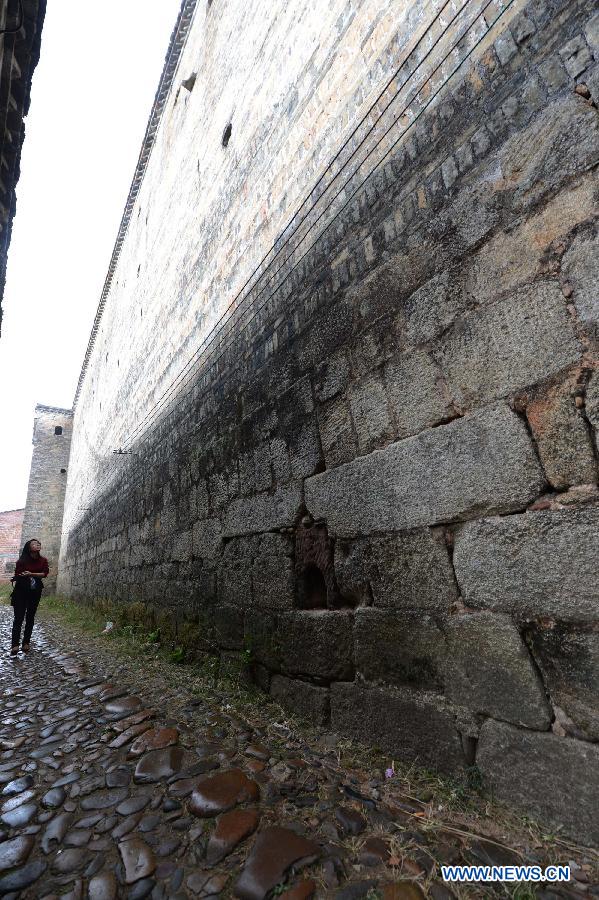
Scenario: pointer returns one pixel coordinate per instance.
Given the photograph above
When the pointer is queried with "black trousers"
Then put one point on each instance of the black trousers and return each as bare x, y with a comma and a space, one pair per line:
25, 604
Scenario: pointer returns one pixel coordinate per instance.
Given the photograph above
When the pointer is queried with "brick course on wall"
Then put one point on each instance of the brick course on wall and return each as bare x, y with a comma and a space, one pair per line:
47, 483
11, 523
380, 475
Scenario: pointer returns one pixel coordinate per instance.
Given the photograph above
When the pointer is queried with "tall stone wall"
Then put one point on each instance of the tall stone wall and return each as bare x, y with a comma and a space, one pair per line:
52, 433
380, 476
11, 523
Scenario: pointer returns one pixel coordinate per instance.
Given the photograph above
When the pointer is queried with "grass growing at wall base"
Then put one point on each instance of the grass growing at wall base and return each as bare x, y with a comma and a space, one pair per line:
452, 805
140, 631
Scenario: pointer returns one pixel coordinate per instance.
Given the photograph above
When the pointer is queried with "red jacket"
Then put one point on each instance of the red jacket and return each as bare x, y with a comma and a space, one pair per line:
38, 566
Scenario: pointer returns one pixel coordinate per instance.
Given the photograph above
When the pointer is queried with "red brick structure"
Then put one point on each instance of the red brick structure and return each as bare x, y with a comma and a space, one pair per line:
11, 525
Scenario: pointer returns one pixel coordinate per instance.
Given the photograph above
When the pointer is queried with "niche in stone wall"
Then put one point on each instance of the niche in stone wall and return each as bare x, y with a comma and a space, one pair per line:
316, 587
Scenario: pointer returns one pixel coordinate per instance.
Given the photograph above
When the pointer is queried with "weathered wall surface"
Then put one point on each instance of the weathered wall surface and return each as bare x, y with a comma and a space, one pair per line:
384, 481
47, 483
11, 523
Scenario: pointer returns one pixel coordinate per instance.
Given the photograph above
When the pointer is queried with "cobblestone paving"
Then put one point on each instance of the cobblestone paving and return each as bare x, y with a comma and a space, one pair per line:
103, 795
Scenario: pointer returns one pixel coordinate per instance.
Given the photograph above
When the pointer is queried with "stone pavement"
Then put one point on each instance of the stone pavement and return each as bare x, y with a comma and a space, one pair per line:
103, 796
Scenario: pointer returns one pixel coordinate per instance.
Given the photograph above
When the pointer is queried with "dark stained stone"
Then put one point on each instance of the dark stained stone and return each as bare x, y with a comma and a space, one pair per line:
126, 826
274, 851
126, 706
128, 735
303, 890
110, 692
222, 792
184, 787
22, 878
141, 889
133, 805
56, 831
168, 847
149, 823
79, 837
214, 885
15, 852
154, 739
54, 798
356, 891
491, 854
17, 786
138, 859
231, 828
403, 890
103, 886
120, 777
67, 861
257, 751
97, 864
135, 719
158, 764
89, 821
67, 779
106, 824
104, 799
198, 768
374, 852
20, 816
17, 800
350, 820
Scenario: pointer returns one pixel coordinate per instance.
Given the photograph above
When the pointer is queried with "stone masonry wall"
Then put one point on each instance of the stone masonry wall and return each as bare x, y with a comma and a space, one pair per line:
47, 483
383, 480
11, 523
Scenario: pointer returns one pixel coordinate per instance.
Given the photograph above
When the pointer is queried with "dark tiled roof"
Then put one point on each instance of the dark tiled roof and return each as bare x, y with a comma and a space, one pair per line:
20, 36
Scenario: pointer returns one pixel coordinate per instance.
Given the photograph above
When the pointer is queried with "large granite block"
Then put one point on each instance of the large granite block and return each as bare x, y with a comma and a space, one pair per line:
248, 515
228, 627
592, 406
399, 647
262, 638
497, 350
414, 726
563, 440
489, 670
415, 392
536, 564
554, 778
301, 698
580, 265
569, 661
317, 644
480, 463
407, 570
206, 539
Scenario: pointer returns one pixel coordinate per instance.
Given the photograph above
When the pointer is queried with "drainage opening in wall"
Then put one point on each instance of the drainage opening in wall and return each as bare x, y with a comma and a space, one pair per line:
227, 135
63, 471
313, 589
58, 430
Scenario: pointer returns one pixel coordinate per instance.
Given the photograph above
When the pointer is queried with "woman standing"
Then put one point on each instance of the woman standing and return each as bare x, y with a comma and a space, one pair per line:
29, 571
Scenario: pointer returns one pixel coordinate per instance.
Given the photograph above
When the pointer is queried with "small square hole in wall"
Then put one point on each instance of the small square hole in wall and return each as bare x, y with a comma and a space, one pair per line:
227, 135
58, 430
63, 471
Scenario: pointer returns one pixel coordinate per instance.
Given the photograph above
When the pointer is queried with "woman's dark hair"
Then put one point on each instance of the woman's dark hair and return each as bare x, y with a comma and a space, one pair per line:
25, 553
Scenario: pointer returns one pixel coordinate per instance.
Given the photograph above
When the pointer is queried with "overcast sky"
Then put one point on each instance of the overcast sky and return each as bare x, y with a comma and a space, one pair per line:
91, 98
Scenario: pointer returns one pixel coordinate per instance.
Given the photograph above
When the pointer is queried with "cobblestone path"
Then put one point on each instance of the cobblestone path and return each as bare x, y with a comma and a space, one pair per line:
103, 795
